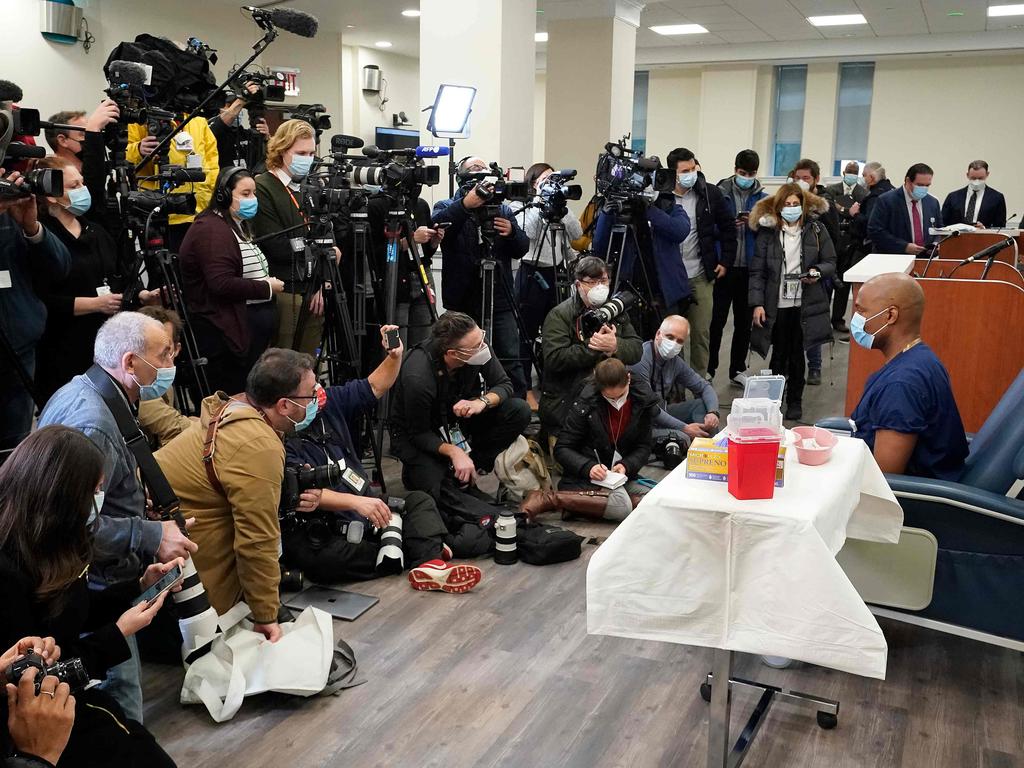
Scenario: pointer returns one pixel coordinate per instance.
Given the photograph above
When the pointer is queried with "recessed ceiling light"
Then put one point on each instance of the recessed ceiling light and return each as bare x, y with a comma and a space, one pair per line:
838, 20
412, 12
955, 13
383, 43
1006, 10
540, 37
679, 29
350, 26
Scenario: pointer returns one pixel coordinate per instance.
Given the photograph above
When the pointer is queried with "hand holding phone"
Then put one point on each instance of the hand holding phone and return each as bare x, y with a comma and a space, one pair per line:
166, 582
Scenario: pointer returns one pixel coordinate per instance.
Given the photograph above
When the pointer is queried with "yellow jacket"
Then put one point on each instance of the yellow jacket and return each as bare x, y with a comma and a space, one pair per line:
238, 534
204, 144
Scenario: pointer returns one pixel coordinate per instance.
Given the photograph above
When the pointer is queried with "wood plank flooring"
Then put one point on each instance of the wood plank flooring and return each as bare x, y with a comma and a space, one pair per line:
507, 676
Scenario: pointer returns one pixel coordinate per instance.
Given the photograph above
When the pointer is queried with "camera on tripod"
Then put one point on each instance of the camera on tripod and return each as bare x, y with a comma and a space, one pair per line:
555, 192
627, 179
71, 671
270, 88
314, 114
494, 188
398, 170
590, 322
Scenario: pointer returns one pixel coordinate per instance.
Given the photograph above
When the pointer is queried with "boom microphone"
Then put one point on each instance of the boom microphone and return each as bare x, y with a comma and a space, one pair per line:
127, 72
297, 22
10, 92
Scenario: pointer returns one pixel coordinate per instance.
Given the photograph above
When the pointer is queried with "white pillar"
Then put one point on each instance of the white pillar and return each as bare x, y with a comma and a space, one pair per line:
487, 44
589, 92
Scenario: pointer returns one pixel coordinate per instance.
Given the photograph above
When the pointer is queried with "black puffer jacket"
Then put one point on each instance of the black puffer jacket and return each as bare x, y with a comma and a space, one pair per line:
766, 269
584, 437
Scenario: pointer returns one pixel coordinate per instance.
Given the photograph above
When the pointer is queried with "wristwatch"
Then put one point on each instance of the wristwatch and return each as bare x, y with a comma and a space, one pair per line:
483, 399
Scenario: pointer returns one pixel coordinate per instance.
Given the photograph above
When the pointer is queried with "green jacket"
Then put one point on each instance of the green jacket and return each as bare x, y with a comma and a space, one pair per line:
568, 361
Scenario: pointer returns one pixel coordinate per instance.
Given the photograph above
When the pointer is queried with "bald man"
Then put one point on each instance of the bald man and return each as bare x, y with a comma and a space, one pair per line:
907, 414
665, 372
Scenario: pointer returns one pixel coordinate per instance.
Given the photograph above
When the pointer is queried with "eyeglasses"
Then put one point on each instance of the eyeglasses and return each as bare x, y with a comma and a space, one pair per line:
595, 281
474, 350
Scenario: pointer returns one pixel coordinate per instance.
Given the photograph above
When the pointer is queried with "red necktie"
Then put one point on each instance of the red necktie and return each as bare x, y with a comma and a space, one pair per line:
918, 231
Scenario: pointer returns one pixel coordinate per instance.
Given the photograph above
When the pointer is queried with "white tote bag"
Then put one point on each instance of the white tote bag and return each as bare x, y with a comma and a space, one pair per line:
242, 662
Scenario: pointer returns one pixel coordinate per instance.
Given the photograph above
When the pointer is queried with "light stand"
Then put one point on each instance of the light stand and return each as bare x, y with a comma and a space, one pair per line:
449, 119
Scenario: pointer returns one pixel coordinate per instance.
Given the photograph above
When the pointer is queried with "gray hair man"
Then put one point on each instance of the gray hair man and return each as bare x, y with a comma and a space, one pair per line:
135, 354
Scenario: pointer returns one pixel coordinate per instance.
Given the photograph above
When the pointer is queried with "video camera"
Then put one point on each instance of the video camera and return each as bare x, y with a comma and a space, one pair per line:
590, 322
555, 192
24, 122
399, 170
314, 114
625, 176
270, 88
333, 188
41, 181
71, 671
494, 187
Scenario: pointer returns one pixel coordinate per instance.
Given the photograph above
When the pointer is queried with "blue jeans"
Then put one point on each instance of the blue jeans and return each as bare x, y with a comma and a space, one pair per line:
689, 412
124, 683
814, 358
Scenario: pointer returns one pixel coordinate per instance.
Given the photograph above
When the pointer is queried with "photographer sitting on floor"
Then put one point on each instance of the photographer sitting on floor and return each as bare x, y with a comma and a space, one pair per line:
334, 543
569, 358
441, 412
227, 471
609, 428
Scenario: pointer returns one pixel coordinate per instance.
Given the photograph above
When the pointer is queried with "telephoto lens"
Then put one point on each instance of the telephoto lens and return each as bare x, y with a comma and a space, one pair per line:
505, 552
196, 618
389, 557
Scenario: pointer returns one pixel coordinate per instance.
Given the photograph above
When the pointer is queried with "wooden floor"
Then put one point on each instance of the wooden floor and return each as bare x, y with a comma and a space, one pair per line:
507, 676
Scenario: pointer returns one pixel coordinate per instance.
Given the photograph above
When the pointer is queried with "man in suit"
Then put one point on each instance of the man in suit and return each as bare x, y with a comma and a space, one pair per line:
901, 219
845, 194
977, 203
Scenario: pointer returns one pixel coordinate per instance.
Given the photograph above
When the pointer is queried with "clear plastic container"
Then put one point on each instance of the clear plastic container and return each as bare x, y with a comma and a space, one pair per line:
766, 386
755, 433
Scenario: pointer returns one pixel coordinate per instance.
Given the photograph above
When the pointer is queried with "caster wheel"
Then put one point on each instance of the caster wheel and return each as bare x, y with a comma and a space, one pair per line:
705, 692
827, 721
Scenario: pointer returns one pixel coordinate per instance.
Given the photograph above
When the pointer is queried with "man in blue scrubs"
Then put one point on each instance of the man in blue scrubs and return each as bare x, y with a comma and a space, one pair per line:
907, 414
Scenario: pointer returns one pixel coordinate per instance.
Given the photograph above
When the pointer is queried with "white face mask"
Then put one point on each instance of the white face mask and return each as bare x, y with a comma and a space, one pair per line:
597, 295
618, 402
803, 185
668, 348
976, 185
480, 357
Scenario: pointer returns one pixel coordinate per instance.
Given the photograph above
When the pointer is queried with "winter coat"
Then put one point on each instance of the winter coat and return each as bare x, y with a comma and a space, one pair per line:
585, 437
766, 270
859, 224
742, 201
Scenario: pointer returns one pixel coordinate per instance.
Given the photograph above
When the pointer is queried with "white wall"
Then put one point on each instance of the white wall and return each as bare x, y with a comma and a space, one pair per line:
539, 90
56, 77
362, 110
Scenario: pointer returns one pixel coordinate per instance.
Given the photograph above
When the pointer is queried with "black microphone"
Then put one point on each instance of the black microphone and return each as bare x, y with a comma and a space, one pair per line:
371, 151
126, 72
18, 150
10, 92
992, 250
297, 22
341, 142
181, 175
1007, 224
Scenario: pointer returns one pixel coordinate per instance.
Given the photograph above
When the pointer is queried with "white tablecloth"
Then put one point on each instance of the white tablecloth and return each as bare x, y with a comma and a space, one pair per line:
693, 565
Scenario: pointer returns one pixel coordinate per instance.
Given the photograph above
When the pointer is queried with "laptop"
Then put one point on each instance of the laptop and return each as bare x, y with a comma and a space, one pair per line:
340, 604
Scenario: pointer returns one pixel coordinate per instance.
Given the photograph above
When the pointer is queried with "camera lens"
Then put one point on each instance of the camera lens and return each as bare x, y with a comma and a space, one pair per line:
368, 175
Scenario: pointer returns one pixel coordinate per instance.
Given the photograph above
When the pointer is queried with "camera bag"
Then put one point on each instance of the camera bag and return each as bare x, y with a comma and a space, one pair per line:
542, 544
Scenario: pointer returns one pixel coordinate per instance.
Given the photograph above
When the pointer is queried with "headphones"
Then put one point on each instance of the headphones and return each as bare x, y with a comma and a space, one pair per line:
222, 193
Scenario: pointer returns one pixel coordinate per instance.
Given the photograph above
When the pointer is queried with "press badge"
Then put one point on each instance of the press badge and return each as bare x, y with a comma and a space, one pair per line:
103, 290
791, 286
5, 278
353, 480
457, 439
183, 142
298, 244
194, 161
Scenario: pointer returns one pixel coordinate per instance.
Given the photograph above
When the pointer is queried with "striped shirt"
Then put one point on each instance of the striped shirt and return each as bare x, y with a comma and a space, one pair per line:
254, 265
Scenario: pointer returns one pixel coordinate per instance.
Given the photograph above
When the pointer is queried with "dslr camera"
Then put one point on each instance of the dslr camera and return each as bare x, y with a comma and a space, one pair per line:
297, 480
627, 179
669, 451
555, 193
590, 322
41, 181
71, 671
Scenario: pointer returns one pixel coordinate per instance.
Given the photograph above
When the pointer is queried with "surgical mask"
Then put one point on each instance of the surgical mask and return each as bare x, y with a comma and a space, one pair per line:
311, 411
97, 505
247, 207
860, 335
79, 201
668, 348
850, 179
792, 213
156, 390
481, 356
300, 165
745, 182
803, 185
618, 402
919, 192
976, 185
597, 295
687, 180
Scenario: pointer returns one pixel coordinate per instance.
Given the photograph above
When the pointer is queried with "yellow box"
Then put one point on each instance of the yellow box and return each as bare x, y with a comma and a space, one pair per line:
708, 461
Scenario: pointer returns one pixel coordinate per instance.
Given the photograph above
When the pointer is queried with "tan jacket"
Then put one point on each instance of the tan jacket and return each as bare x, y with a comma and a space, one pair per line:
238, 535
161, 420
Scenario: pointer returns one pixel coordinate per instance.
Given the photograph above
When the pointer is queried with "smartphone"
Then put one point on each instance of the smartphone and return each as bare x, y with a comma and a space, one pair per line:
442, 225
167, 581
393, 338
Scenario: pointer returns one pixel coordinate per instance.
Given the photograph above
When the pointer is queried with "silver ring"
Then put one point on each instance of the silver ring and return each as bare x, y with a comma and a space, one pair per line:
51, 694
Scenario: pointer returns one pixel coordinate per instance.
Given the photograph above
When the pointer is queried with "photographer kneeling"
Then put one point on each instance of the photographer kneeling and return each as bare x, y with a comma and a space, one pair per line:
50, 495
609, 428
334, 543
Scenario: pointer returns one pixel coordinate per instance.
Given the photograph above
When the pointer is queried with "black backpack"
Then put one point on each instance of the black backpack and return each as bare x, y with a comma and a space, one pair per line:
540, 544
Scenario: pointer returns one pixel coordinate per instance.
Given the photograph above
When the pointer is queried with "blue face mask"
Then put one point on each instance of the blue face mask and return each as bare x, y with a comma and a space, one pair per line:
312, 407
745, 182
850, 179
300, 165
80, 201
156, 390
860, 335
919, 192
687, 180
792, 213
247, 207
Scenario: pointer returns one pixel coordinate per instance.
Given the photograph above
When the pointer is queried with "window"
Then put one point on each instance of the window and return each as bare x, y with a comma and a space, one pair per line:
790, 95
853, 113
639, 136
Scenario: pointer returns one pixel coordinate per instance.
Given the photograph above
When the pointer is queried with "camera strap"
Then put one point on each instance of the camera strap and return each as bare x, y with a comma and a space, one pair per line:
210, 444
165, 501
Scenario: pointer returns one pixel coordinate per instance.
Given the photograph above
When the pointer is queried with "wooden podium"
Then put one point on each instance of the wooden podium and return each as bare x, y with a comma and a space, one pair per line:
973, 325
968, 243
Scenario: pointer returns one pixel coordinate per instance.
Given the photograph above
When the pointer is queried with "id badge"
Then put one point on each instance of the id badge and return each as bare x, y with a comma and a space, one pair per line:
459, 440
616, 458
298, 245
5, 278
103, 290
791, 286
353, 480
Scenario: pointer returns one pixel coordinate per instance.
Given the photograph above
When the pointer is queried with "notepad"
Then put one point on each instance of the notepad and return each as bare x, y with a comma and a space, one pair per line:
612, 480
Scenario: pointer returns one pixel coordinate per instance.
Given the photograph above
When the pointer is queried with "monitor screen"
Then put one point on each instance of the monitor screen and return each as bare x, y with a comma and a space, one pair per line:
396, 138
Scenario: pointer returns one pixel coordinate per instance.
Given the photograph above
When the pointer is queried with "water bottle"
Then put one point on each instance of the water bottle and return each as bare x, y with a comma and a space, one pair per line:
505, 539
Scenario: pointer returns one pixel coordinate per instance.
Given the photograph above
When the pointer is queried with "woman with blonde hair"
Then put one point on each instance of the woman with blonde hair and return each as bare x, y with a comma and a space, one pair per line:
793, 254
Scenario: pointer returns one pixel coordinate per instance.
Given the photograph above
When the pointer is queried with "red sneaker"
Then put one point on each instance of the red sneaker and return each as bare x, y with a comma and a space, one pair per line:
437, 574
446, 553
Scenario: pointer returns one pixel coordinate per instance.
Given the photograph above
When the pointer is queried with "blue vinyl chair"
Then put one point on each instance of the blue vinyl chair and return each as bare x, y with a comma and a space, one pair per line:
978, 522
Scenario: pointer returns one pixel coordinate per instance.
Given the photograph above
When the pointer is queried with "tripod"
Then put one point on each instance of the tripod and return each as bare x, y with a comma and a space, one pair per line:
625, 232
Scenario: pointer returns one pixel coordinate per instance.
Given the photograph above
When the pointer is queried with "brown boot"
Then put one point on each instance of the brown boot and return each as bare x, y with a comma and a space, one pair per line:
537, 502
586, 504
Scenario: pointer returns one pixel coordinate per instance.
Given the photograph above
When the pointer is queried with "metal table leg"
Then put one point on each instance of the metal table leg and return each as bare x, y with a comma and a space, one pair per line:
718, 719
